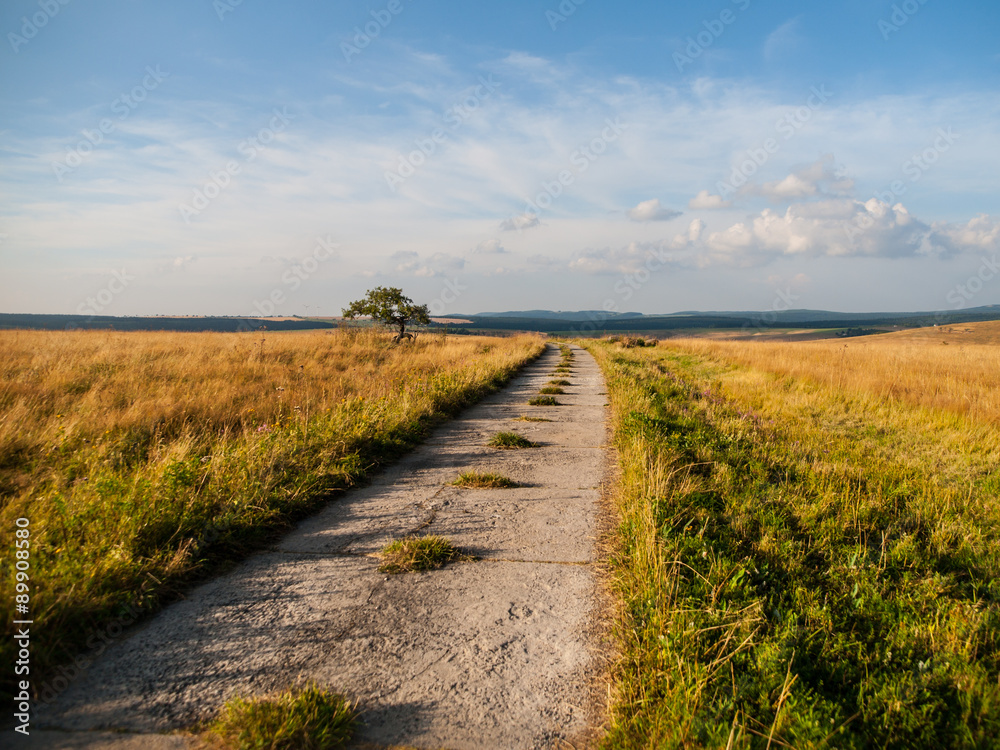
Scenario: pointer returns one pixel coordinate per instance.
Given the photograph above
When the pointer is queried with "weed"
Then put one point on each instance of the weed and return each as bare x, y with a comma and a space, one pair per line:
543, 401
559, 382
477, 480
309, 718
526, 418
417, 553
551, 389
509, 440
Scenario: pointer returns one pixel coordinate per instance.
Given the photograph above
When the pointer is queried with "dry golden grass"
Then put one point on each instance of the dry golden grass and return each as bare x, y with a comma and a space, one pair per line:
955, 369
142, 460
69, 389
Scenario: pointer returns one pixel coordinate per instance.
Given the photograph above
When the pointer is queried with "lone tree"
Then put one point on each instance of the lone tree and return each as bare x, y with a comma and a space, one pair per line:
391, 307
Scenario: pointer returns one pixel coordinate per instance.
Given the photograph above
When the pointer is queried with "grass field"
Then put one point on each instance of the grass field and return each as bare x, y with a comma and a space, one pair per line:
146, 460
808, 549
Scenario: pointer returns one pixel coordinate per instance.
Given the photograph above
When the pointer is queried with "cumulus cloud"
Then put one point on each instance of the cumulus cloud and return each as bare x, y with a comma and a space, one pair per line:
820, 178
490, 247
519, 222
695, 230
827, 228
705, 201
981, 234
840, 228
651, 210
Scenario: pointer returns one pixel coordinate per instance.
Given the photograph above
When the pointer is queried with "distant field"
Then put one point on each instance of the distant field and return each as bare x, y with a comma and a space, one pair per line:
808, 552
954, 368
145, 460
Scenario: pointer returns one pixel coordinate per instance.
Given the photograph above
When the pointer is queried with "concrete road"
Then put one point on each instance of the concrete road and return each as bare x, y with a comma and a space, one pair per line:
498, 652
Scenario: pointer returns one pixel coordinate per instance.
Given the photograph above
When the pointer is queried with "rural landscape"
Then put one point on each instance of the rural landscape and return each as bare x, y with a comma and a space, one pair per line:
572, 375
801, 542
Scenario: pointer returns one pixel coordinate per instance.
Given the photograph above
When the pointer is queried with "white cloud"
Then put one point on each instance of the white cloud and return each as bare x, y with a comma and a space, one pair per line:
981, 234
705, 201
840, 228
519, 222
695, 231
651, 210
817, 179
490, 247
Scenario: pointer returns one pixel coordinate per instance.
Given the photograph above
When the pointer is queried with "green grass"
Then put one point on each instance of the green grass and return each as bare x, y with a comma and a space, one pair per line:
543, 401
510, 441
477, 480
526, 418
417, 553
559, 382
794, 570
551, 389
308, 718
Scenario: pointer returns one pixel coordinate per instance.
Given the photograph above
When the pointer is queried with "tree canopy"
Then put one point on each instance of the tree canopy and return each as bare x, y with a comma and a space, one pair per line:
390, 306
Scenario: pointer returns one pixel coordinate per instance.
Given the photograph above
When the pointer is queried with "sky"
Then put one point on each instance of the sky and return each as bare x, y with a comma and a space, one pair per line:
243, 157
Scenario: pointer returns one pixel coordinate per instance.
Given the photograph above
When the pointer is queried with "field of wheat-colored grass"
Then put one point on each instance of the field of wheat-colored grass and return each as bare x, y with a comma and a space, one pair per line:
951, 368
144, 460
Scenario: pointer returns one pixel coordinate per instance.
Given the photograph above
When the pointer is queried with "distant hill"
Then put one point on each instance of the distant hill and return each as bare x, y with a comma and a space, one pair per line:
598, 321
585, 322
87, 322
582, 315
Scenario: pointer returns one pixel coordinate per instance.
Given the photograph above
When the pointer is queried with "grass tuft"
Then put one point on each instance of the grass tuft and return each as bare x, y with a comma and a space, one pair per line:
543, 401
417, 553
510, 440
476, 480
526, 418
559, 382
551, 389
310, 718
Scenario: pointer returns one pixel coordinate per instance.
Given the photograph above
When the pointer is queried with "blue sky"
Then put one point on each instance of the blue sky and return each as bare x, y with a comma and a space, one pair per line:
200, 157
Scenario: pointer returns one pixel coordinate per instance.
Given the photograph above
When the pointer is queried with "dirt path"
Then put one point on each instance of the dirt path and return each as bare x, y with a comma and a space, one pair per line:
485, 654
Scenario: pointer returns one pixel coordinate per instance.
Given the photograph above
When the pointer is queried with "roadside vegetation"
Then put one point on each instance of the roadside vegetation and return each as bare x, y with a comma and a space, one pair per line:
308, 718
144, 461
808, 552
